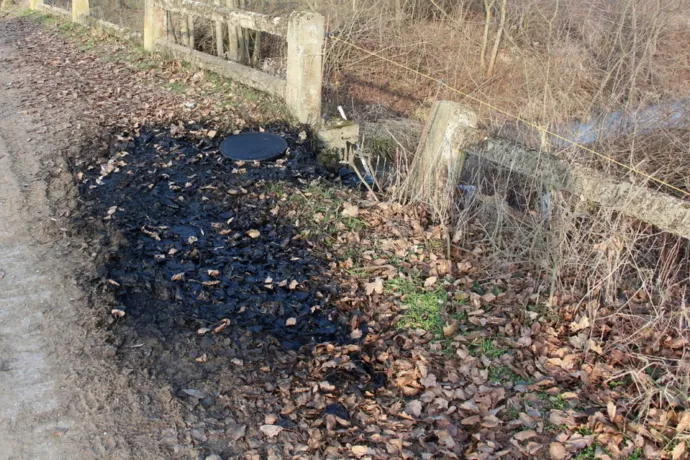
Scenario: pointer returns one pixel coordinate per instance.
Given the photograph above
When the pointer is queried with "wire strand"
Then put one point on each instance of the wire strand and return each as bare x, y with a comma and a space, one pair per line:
539, 128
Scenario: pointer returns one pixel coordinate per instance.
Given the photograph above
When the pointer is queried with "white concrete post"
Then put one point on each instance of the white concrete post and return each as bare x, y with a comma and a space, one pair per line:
155, 24
33, 4
436, 168
80, 9
219, 35
305, 38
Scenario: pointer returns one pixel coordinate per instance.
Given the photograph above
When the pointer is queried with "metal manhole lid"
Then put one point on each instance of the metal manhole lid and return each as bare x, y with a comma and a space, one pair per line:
253, 146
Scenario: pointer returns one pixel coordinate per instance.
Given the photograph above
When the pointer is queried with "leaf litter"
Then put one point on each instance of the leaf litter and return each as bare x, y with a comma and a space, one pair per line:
372, 344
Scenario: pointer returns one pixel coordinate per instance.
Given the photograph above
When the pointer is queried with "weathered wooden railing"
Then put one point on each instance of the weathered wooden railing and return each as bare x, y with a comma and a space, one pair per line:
305, 33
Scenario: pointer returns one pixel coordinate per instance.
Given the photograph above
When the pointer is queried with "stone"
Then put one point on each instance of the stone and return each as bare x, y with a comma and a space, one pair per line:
336, 142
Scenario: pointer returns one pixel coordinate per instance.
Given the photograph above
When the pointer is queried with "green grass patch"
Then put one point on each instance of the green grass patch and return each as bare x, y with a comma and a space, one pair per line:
354, 224
176, 87
499, 374
636, 455
588, 453
422, 309
275, 188
488, 348
554, 402
512, 413
477, 288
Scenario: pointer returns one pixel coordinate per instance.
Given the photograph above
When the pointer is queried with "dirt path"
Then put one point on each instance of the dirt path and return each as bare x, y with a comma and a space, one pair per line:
60, 397
30, 297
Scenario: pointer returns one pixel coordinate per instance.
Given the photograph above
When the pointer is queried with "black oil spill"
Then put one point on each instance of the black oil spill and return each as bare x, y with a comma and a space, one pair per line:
177, 215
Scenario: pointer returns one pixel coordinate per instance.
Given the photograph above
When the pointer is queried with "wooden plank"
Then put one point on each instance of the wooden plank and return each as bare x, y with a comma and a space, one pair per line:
666, 212
243, 74
241, 18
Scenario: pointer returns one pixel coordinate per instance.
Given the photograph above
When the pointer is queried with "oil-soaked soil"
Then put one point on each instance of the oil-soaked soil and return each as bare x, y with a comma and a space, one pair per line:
184, 212
191, 240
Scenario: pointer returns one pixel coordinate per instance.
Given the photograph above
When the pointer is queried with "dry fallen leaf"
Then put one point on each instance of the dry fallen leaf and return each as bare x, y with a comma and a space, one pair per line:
253, 233
525, 435
557, 451
491, 421
223, 324
450, 329
488, 297
271, 431
413, 408
473, 420
360, 451
582, 323
445, 439
678, 451
595, 347
117, 313
349, 210
291, 321
430, 281
375, 286
611, 409
684, 422
177, 277
356, 334
236, 431
194, 393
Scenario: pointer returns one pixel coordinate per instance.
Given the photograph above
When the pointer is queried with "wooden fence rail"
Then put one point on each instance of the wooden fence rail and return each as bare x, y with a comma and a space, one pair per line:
305, 33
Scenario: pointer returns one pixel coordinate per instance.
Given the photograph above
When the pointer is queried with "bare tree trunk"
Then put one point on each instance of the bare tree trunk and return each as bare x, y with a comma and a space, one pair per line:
488, 4
497, 42
5, 5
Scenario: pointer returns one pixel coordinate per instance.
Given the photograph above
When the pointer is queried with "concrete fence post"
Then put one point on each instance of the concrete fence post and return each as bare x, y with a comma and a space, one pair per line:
234, 33
80, 10
436, 168
305, 38
155, 25
219, 35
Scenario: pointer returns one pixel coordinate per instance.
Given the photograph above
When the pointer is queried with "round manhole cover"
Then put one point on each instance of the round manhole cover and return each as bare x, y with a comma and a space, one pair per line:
253, 146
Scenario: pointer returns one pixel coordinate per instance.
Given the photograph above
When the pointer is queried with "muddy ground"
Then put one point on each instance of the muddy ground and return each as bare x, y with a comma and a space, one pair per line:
172, 303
